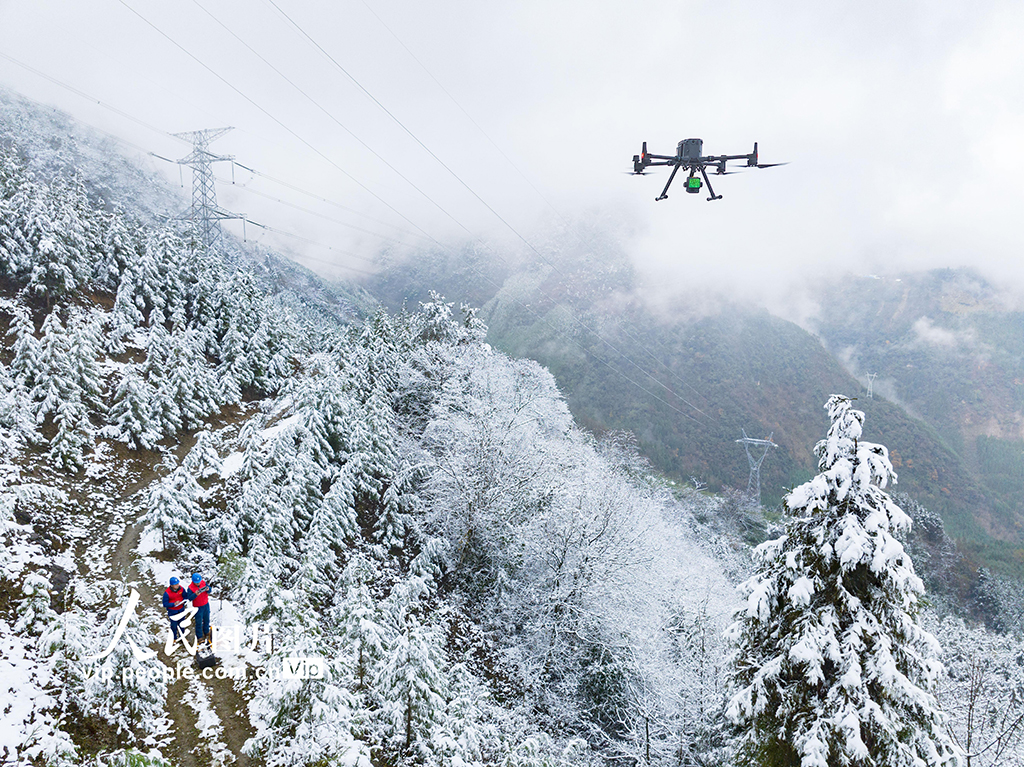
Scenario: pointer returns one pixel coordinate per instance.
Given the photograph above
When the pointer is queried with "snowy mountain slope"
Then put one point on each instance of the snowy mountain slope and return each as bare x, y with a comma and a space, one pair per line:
481, 581
484, 581
53, 145
948, 346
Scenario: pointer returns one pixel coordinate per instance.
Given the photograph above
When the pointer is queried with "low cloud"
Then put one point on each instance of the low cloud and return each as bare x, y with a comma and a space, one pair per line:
928, 333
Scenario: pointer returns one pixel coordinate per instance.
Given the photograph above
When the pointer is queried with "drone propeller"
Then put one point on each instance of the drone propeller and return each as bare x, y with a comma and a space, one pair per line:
636, 173
769, 164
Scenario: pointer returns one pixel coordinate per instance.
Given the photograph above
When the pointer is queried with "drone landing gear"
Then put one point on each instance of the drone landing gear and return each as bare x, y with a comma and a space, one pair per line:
664, 192
707, 181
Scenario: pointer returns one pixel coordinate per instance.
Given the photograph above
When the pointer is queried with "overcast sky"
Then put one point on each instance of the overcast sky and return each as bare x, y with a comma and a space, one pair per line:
903, 121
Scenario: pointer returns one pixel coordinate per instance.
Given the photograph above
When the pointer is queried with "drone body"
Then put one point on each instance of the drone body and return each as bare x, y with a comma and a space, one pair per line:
689, 155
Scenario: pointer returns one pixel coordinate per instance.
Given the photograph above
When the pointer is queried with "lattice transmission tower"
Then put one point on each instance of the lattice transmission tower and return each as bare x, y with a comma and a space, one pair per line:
754, 483
206, 214
871, 385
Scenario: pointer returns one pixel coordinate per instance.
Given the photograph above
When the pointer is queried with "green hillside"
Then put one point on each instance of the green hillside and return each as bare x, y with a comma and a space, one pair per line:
947, 347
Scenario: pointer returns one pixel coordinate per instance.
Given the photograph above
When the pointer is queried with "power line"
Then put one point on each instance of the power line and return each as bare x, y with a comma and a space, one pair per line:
267, 113
275, 230
318, 152
569, 225
310, 211
321, 198
458, 178
466, 113
432, 154
144, 151
132, 118
327, 112
402, 125
86, 96
106, 133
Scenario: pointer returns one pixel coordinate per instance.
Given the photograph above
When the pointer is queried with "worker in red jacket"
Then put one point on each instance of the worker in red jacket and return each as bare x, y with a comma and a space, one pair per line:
175, 599
199, 592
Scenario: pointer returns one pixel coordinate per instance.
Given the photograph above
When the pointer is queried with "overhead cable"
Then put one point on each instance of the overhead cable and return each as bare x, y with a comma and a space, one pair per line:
327, 112
86, 96
268, 114
569, 225
458, 178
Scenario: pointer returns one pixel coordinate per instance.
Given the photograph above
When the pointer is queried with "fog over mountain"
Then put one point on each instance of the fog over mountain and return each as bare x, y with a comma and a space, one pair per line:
899, 120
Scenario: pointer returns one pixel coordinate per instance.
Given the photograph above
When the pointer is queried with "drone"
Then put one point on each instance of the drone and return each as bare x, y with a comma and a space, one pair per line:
689, 155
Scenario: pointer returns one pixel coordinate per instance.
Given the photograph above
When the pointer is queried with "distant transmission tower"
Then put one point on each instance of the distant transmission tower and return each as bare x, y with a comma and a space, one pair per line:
206, 215
754, 483
871, 385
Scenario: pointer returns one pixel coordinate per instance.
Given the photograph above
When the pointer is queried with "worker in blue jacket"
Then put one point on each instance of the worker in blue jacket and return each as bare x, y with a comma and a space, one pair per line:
175, 598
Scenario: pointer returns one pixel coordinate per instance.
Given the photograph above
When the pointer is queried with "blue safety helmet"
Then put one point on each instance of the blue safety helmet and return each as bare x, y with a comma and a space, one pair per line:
197, 578
174, 581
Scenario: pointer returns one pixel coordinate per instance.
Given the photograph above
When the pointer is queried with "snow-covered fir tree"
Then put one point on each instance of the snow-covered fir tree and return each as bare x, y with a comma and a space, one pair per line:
130, 413
173, 508
413, 686
34, 612
122, 688
832, 665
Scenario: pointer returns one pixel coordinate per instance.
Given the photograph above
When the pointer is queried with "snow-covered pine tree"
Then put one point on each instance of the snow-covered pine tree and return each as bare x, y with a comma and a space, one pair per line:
202, 460
124, 691
86, 346
126, 315
63, 644
984, 597
190, 383
305, 721
120, 247
74, 434
413, 687
318, 566
130, 413
165, 411
34, 611
16, 231
173, 508
12, 240
832, 665
462, 735
147, 279
359, 623
57, 232
27, 349
54, 375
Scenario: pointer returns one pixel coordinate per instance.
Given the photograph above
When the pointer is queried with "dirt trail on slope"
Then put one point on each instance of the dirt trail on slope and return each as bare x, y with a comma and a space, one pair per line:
186, 749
